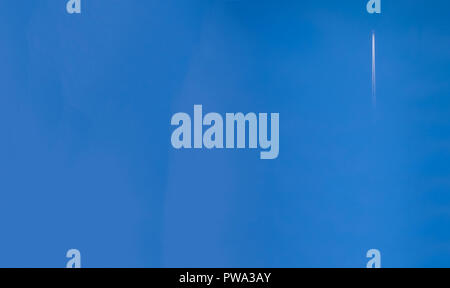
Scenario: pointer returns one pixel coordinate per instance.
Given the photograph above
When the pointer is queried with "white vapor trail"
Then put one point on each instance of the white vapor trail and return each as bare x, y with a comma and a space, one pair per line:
374, 82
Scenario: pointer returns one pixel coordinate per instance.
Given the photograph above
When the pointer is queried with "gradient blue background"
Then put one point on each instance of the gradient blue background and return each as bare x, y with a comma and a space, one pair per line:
85, 154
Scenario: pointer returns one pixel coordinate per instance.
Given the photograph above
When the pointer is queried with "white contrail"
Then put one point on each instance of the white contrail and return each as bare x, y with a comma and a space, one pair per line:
374, 82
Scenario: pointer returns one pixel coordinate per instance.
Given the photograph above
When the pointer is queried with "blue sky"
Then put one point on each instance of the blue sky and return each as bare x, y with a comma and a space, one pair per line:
85, 154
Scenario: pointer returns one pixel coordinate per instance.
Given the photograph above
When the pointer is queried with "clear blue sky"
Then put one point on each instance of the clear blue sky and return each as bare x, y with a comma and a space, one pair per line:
85, 154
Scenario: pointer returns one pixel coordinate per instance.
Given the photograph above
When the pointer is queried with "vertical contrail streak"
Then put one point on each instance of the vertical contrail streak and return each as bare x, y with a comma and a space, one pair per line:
374, 82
